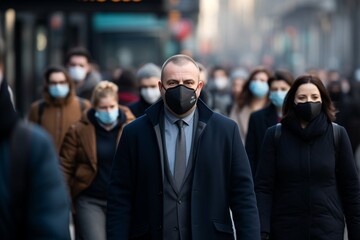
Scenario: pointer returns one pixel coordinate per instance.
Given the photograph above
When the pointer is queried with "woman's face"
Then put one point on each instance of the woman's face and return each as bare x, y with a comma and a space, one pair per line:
107, 103
279, 85
307, 92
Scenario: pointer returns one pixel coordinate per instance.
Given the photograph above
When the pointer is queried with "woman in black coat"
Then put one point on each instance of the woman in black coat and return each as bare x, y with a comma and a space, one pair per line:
306, 187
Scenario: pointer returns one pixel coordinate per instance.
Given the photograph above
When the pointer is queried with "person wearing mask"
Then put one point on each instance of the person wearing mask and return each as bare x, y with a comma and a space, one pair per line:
205, 94
306, 182
220, 90
179, 169
81, 71
148, 77
253, 98
260, 121
59, 108
34, 203
238, 79
86, 158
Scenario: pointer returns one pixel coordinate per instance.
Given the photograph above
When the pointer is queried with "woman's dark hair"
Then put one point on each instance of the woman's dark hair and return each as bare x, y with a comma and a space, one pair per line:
246, 95
282, 75
327, 105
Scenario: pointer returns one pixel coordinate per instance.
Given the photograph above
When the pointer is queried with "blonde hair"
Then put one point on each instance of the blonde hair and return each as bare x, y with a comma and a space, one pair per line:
104, 89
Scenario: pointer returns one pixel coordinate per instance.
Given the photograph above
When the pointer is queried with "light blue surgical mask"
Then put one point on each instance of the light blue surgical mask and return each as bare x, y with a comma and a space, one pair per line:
259, 88
106, 117
59, 90
277, 98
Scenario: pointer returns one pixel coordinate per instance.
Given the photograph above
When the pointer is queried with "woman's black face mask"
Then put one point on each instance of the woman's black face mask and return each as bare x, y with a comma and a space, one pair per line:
307, 111
180, 99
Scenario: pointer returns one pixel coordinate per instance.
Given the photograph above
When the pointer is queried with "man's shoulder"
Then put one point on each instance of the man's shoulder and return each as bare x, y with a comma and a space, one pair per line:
139, 124
222, 120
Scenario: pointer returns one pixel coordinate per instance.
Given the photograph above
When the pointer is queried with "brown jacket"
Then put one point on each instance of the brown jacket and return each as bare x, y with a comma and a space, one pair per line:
58, 114
78, 153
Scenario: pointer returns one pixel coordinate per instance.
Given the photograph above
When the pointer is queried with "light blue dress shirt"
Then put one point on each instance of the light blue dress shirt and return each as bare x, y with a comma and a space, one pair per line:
171, 133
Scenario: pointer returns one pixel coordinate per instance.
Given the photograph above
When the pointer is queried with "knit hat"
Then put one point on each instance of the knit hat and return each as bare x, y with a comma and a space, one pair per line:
239, 73
148, 70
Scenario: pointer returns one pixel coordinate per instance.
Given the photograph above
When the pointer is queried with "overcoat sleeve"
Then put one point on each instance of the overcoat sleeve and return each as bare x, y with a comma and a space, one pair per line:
119, 202
48, 203
265, 179
251, 146
349, 186
243, 199
68, 154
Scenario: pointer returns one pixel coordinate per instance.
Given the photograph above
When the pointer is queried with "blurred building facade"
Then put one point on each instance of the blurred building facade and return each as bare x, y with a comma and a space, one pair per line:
296, 34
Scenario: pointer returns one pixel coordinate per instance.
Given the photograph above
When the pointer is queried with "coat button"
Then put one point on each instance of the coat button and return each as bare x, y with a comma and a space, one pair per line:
179, 201
160, 193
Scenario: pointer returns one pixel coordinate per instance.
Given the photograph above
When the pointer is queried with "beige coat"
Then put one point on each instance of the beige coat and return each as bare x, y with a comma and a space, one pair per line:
58, 114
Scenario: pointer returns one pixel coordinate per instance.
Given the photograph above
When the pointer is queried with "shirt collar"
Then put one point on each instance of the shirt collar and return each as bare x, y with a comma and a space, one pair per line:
188, 119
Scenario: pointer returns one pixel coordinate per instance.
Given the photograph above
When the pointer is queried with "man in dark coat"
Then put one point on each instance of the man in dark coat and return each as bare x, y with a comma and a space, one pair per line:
152, 196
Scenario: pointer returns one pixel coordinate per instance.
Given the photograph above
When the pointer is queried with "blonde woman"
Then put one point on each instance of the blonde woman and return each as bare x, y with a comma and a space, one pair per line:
86, 157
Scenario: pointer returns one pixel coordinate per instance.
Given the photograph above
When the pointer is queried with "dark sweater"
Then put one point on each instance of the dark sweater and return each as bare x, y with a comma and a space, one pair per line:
105, 150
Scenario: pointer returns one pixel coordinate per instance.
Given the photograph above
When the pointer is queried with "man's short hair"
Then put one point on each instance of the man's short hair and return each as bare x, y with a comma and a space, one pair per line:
179, 59
147, 71
78, 51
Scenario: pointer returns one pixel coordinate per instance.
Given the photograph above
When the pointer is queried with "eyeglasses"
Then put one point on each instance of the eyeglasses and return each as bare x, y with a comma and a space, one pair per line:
57, 82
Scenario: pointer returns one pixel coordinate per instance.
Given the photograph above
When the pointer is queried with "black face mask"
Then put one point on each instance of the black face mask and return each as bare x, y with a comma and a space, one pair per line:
180, 99
307, 111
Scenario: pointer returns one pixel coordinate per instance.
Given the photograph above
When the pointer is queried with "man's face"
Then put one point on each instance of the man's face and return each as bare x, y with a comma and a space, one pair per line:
79, 61
186, 74
150, 82
78, 67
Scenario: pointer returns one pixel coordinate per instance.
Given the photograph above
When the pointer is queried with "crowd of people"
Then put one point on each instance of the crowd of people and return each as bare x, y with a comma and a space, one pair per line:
181, 152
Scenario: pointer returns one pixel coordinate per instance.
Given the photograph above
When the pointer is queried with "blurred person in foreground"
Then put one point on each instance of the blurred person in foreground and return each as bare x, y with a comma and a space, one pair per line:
85, 77
148, 79
180, 167
87, 155
279, 85
59, 108
253, 97
34, 203
307, 185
